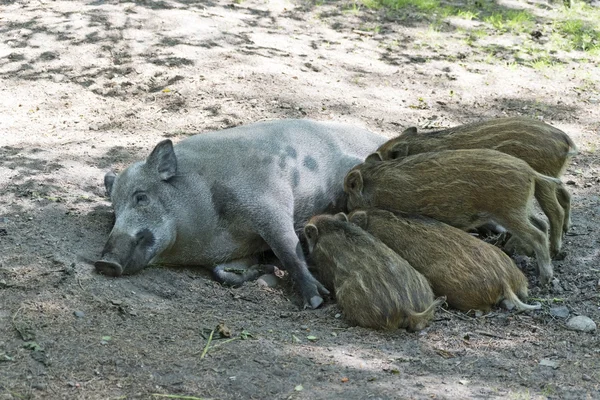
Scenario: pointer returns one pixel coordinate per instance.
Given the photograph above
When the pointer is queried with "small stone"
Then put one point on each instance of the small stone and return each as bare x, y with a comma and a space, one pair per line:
559, 312
586, 377
305, 327
267, 280
571, 182
94, 127
549, 363
39, 386
581, 323
338, 315
556, 286
79, 314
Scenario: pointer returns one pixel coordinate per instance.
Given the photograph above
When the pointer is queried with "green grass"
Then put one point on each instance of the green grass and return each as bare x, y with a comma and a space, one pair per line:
579, 34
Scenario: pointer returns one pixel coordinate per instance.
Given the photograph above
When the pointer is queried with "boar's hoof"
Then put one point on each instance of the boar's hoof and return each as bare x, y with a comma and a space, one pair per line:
316, 301
108, 268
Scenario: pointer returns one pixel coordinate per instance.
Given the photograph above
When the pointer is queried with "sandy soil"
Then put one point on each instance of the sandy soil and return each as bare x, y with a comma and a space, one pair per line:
88, 86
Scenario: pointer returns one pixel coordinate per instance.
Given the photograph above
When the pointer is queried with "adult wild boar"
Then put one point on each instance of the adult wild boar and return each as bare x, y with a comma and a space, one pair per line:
545, 148
220, 198
465, 189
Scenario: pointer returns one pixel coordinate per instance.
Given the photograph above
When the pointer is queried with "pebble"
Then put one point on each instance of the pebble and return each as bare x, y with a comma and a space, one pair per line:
556, 286
549, 363
39, 385
586, 377
559, 312
305, 327
79, 314
581, 323
267, 280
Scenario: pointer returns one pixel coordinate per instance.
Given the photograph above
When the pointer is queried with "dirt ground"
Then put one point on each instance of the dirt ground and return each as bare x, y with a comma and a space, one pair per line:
88, 86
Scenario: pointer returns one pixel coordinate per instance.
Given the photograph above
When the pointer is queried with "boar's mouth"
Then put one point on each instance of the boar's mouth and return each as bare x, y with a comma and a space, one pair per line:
125, 254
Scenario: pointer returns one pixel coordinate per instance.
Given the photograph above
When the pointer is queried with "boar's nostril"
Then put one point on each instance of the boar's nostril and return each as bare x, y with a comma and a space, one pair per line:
108, 268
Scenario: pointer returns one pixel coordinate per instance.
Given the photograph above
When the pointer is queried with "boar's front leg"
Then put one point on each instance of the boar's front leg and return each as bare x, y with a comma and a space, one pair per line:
235, 273
278, 232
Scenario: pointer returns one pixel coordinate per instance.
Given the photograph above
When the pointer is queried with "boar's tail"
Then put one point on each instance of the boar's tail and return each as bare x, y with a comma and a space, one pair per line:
429, 311
513, 298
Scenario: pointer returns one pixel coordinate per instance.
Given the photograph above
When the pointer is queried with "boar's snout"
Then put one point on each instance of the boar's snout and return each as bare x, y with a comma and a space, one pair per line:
124, 253
110, 268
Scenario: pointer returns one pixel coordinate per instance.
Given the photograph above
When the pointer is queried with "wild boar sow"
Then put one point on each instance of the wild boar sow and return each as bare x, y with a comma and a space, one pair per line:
465, 189
374, 286
219, 198
545, 148
472, 274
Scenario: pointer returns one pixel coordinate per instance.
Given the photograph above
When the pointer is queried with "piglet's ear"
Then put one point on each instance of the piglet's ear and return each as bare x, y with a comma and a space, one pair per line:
353, 182
373, 158
359, 218
341, 217
311, 232
409, 131
163, 160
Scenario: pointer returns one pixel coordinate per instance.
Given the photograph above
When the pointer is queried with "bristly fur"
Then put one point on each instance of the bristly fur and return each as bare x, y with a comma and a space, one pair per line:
465, 189
373, 285
545, 148
472, 274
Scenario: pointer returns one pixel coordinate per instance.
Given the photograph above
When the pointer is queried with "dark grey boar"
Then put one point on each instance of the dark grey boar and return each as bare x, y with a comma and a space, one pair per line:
375, 287
545, 148
465, 189
472, 274
218, 199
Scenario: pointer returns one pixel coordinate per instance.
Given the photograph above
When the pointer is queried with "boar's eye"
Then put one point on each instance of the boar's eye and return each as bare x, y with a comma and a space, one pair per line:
140, 198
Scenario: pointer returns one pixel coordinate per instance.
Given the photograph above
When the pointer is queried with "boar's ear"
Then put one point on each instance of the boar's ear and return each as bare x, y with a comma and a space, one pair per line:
109, 180
354, 181
409, 131
311, 232
341, 217
359, 218
373, 157
399, 150
163, 160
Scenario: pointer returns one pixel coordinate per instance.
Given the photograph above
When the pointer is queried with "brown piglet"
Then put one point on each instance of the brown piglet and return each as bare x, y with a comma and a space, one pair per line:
465, 189
545, 148
472, 274
374, 286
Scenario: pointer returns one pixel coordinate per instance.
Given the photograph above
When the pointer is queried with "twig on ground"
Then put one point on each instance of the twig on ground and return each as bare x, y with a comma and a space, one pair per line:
176, 396
463, 317
490, 334
207, 344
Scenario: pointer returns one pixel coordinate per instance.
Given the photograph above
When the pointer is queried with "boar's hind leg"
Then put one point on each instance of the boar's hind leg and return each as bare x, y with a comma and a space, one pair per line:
531, 236
545, 193
235, 273
282, 239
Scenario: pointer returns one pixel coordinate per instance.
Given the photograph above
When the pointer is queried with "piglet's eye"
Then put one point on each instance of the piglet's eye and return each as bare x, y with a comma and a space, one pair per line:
140, 198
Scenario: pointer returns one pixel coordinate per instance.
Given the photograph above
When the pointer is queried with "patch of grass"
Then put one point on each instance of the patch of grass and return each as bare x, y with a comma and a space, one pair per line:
421, 5
579, 34
510, 20
467, 14
540, 63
